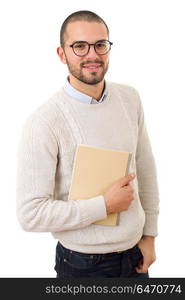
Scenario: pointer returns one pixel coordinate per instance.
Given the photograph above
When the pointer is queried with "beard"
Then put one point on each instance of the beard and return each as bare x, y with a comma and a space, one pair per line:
93, 77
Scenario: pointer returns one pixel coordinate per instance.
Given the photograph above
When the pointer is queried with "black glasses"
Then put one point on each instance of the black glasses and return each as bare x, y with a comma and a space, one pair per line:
81, 48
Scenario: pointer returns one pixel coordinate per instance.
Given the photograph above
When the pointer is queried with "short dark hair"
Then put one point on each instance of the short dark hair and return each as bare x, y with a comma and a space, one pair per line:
81, 15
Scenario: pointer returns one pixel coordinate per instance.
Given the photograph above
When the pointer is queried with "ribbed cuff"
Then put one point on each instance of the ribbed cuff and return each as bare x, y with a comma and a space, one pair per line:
93, 209
150, 227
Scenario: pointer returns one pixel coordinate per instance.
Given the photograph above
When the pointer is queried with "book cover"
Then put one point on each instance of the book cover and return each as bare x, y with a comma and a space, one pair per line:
94, 171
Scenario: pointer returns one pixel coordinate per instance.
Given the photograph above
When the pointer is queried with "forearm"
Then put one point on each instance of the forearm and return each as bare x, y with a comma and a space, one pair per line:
148, 194
47, 215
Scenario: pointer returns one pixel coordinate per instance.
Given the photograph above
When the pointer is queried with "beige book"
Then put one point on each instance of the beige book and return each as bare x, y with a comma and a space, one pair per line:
94, 171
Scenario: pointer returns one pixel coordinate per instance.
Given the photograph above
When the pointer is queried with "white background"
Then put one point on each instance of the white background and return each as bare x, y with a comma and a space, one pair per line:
149, 54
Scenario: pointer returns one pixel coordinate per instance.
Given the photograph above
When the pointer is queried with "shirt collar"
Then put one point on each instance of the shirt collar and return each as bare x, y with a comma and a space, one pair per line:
77, 95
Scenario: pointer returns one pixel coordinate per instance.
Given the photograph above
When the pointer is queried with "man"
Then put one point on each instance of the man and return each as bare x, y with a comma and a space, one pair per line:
88, 110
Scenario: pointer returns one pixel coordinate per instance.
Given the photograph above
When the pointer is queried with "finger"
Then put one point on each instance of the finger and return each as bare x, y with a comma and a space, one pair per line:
139, 266
142, 267
141, 270
127, 179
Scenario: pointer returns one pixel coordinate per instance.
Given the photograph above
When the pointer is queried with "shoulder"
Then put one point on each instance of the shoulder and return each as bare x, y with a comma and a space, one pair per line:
123, 89
126, 93
46, 115
43, 123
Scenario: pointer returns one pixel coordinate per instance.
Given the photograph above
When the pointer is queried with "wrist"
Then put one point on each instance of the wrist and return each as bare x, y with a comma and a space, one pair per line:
148, 238
107, 205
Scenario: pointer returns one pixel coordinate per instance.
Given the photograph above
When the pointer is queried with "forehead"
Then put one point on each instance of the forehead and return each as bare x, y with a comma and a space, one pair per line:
86, 31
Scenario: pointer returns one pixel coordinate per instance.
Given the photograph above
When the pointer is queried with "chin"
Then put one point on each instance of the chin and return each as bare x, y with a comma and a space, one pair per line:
92, 81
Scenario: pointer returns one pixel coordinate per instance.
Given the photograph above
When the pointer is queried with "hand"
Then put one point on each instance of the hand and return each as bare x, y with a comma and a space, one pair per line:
119, 196
147, 247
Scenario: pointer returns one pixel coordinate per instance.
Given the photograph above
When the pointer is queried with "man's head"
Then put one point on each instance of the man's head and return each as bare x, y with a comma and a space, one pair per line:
86, 63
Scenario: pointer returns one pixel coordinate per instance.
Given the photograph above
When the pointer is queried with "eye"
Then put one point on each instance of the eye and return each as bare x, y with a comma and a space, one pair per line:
79, 46
101, 45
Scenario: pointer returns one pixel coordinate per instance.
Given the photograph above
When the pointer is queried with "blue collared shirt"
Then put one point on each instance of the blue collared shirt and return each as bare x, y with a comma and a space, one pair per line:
74, 93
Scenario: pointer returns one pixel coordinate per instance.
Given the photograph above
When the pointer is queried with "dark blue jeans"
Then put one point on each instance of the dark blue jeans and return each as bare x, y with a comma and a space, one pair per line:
73, 264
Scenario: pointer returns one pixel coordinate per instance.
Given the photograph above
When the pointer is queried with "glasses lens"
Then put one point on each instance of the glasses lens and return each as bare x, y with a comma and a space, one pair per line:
102, 47
80, 48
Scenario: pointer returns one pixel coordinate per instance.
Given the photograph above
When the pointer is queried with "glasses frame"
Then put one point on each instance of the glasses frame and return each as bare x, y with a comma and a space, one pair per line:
89, 45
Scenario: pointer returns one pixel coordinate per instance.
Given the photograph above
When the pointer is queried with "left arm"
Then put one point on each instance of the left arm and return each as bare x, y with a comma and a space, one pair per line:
148, 193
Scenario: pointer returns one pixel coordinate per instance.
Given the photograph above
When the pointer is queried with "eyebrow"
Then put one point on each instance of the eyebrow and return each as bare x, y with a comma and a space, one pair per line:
88, 42
78, 42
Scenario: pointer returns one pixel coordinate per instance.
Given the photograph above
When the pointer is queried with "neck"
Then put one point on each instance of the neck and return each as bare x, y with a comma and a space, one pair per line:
95, 91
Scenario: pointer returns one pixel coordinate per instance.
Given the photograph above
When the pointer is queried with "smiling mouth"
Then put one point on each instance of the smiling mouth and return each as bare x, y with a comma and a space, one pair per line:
92, 67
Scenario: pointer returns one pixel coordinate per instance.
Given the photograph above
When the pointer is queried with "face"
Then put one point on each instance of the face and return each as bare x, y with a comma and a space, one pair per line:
91, 68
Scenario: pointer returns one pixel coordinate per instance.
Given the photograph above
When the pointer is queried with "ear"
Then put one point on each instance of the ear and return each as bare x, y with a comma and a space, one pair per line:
61, 54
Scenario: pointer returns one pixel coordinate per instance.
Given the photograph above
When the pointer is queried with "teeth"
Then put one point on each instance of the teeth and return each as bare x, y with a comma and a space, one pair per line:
95, 66
92, 67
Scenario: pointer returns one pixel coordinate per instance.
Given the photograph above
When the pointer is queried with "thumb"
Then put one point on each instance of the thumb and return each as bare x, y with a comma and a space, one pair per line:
126, 179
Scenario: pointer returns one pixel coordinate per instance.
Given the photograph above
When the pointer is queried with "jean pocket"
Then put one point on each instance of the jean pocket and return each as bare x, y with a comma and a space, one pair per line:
139, 251
135, 256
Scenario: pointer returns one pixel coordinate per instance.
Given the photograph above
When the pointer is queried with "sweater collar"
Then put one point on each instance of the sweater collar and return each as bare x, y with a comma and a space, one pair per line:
77, 95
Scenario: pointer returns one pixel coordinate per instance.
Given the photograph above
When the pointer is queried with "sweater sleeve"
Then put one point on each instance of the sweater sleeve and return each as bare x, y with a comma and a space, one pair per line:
37, 210
147, 177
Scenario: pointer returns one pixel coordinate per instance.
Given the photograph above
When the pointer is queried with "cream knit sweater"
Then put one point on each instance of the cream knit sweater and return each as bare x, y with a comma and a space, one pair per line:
45, 161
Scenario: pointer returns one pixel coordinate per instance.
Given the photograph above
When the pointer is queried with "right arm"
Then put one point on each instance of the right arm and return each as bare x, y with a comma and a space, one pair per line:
37, 210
